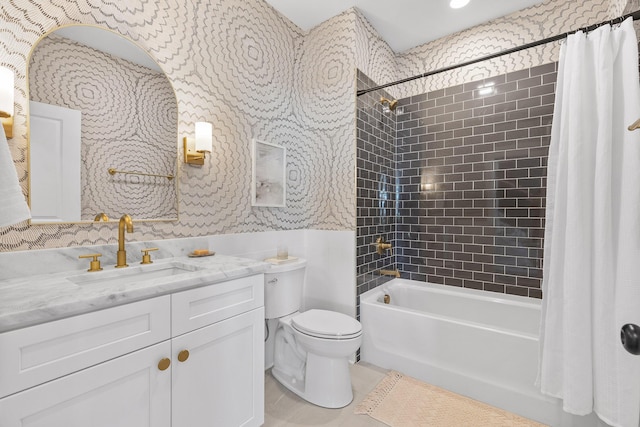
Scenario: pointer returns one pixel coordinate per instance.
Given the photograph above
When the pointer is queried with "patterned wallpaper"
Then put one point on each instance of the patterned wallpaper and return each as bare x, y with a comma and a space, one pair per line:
129, 115
253, 74
549, 18
245, 68
619, 7
374, 57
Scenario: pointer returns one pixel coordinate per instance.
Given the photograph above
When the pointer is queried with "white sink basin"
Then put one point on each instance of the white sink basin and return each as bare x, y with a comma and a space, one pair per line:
133, 274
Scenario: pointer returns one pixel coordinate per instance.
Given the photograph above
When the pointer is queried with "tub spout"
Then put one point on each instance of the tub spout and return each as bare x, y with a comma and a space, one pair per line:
394, 273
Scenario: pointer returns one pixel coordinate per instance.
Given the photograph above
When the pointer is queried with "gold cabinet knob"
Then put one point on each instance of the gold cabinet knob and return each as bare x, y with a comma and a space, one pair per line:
146, 258
95, 264
183, 355
164, 363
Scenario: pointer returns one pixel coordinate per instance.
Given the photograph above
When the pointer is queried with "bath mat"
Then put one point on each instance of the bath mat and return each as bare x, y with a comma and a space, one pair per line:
401, 401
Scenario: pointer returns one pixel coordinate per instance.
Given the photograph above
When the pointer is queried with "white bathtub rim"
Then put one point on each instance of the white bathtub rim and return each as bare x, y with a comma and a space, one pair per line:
476, 294
373, 297
509, 332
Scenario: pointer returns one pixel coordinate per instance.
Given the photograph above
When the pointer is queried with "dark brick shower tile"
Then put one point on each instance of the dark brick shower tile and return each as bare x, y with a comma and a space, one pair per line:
516, 271
517, 75
535, 293
543, 69
418, 98
494, 287
530, 82
515, 290
548, 99
473, 103
495, 99
491, 158
472, 284
506, 280
528, 282
516, 115
463, 96
517, 95
547, 89
436, 94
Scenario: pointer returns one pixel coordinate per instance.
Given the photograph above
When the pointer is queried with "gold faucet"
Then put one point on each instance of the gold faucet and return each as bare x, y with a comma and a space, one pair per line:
382, 246
394, 273
122, 254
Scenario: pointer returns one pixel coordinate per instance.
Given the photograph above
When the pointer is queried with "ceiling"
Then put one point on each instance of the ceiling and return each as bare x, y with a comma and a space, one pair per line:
403, 24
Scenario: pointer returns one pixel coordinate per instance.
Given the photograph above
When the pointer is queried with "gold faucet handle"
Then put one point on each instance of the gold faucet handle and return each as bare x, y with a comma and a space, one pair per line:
146, 258
94, 265
382, 246
101, 217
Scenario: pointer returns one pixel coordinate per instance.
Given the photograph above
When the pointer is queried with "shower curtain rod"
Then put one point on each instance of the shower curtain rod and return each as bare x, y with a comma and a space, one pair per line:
635, 15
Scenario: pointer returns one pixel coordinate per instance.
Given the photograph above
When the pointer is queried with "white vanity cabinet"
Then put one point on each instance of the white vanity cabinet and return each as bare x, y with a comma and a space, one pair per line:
193, 358
218, 355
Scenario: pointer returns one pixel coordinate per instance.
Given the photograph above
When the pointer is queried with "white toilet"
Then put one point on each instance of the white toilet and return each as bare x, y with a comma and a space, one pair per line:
310, 350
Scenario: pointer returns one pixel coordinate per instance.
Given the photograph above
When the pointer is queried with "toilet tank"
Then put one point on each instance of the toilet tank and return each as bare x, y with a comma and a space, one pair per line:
283, 288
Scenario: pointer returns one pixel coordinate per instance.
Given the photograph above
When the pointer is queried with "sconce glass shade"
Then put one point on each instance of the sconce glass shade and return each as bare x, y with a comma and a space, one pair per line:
6, 92
204, 137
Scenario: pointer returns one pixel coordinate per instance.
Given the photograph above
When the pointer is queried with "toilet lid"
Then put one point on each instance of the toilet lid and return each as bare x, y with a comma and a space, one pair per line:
326, 324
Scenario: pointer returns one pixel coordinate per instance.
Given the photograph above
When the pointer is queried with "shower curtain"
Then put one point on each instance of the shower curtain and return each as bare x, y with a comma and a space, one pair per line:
591, 273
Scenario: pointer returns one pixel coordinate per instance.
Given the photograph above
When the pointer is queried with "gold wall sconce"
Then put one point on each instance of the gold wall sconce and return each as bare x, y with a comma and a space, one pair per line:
6, 100
195, 149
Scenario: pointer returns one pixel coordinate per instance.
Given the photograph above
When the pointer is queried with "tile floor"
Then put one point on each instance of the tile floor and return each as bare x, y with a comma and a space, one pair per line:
285, 409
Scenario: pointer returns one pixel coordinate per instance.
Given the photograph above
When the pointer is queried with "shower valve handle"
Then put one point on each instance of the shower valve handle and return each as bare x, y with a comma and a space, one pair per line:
630, 337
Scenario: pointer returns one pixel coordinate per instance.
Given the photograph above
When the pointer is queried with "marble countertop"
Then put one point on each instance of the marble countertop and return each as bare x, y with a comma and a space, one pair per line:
32, 300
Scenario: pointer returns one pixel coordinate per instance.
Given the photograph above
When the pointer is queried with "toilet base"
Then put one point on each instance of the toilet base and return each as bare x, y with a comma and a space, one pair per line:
329, 391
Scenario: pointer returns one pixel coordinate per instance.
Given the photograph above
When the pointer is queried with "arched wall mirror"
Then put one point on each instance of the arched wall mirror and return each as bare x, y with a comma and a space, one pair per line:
102, 130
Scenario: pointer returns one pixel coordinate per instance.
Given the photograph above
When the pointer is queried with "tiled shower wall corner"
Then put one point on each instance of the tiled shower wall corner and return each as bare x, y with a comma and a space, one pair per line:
376, 187
472, 176
470, 163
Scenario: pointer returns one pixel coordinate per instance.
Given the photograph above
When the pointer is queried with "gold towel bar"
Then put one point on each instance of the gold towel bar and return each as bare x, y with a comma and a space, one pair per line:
113, 171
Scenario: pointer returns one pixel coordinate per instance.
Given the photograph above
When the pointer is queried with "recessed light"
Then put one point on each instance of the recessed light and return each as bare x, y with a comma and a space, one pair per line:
457, 4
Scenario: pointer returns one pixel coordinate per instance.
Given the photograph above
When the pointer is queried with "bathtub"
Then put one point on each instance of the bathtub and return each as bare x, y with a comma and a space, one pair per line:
478, 344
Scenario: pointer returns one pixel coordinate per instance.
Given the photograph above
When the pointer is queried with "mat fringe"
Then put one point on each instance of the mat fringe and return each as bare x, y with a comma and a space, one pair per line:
371, 402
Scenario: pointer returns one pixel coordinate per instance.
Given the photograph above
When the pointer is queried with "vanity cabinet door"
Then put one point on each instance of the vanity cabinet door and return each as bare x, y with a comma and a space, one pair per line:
129, 391
220, 381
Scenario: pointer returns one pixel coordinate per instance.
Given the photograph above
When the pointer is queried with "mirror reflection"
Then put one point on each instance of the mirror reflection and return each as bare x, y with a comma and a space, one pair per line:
103, 130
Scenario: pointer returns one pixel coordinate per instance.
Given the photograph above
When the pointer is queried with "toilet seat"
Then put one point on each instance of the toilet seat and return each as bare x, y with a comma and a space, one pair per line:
326, 324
